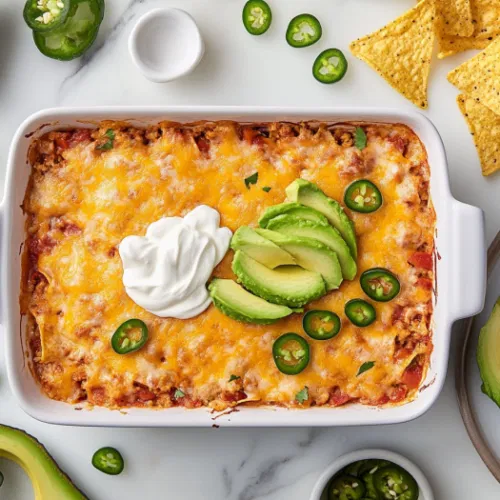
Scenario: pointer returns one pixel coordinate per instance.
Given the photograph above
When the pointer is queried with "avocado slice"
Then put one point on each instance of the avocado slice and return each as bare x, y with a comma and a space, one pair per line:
311, 255
260, 249
488, 355
328, 235
295, 209
286, 285
49, 481
307, 193
234, 301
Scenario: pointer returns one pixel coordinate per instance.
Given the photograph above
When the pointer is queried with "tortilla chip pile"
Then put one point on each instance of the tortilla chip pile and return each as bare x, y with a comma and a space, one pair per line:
401, 52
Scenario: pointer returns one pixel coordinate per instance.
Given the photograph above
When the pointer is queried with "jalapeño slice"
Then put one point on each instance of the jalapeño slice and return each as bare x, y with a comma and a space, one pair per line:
257, 16
108, 460
321, 325
380, 284
346, 487
330, 66
303, 30
76, 35
46, 15
395, 483
360, 312
130, 336
363, 196
291, 353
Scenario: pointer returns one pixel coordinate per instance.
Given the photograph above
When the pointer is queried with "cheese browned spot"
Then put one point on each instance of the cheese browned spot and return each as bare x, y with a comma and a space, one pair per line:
81, 202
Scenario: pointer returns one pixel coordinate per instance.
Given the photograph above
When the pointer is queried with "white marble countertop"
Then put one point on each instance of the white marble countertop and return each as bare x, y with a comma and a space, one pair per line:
239, 464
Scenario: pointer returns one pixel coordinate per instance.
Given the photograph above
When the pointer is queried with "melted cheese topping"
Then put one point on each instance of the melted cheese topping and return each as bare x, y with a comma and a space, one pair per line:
82, 202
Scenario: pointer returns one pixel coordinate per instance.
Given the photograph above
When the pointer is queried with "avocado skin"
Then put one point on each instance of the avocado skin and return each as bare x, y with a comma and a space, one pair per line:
292, 208
489, 339
49, 481
233, 313
260, 249
301, 191
294, 226
240, 265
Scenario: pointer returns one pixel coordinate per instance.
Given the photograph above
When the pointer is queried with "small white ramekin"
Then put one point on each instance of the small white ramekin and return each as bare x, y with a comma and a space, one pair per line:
318, 492
166, 44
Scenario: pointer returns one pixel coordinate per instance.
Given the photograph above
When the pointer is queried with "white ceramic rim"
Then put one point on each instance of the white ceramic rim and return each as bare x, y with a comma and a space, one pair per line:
460, 244
150, 73
423, 484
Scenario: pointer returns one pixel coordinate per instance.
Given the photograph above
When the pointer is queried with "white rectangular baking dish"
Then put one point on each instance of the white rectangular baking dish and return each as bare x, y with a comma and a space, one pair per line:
461, 271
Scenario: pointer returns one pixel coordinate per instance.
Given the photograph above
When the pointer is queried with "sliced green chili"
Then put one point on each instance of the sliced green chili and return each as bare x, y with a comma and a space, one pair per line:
360, 312
46, 15
130, 336
321, 325
363, 196
303, 30
346, 487
395, 483
257, 17
380, 284
291, 353
330, 66
108, 460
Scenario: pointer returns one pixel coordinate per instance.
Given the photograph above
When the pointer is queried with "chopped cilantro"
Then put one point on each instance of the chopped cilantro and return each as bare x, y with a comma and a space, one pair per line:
266, 189
360, 138
252, 179
234, 377
365, 367
106, 146
302, 395
178, 394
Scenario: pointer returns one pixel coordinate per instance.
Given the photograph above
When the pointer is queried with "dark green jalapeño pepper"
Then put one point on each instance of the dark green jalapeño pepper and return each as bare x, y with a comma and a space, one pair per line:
291, 353
108, 460
330, 66
46, 15
321, 325
75, 35
394, 483
303, 30
257, 17
380, 284
129, 336
363, 196
346, 488
360, 312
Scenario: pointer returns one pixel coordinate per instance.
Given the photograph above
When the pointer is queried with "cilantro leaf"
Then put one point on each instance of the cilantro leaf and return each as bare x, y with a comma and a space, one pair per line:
106, 146
234, 377
365, 367
252, 179
178, 394
360, 138
302, 395
266, 189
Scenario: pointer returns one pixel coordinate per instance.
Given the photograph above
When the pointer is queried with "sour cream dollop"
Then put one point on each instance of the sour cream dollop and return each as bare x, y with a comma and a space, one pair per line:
166, 271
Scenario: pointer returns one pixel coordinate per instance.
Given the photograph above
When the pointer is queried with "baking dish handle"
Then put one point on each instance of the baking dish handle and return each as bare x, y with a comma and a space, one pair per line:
468, 278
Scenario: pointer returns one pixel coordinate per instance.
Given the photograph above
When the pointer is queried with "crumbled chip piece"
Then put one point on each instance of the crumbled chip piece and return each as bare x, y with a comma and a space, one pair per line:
479, 77
484, 126
401, 51
455, 17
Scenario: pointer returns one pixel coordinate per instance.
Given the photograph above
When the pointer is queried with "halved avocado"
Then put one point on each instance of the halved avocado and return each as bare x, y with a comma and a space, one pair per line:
309, 254
49, 481
328, 235
234, 301
488, 355
260, 249
287, 285
307, 193
295, 209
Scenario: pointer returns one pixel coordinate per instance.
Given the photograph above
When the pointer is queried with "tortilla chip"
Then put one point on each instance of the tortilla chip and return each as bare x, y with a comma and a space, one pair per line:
479, 77
484, 125
455, 17
450, 45
401, 52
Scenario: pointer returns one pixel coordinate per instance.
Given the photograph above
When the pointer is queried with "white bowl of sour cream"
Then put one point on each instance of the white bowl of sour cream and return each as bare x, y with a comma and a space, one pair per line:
166, 44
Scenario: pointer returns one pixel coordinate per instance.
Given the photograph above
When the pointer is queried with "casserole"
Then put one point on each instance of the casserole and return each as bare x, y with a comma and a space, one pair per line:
459, 243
